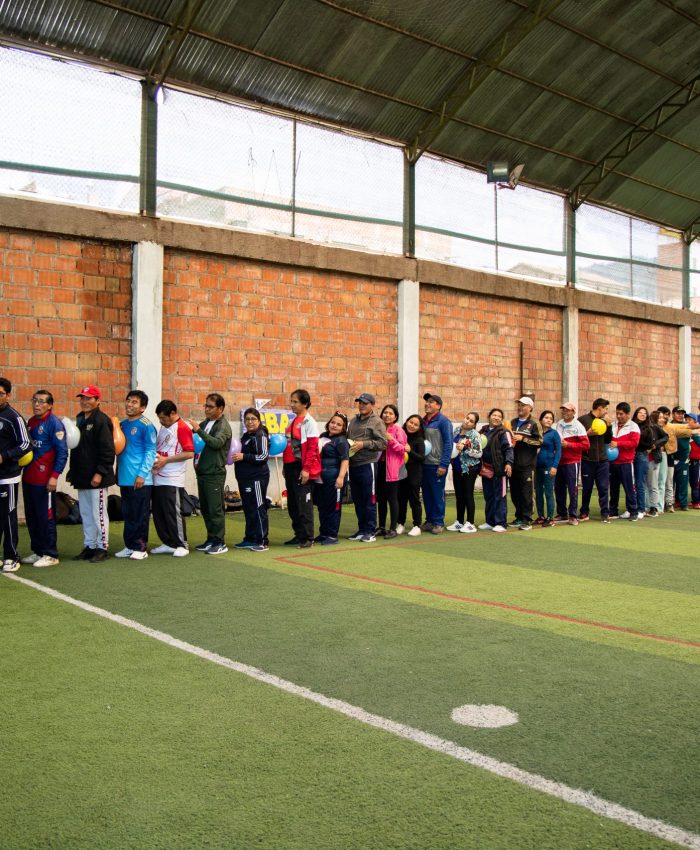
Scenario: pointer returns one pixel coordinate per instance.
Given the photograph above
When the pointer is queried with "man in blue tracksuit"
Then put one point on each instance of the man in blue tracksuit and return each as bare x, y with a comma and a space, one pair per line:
438, 431
135, 475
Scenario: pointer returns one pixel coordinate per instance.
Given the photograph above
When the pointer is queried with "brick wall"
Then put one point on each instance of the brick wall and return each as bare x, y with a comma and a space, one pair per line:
251, 329
66, 318
470, 351
625, 360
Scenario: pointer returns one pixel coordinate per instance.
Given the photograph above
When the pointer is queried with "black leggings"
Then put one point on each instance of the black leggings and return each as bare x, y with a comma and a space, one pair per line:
387, 496
409, 494
464, 492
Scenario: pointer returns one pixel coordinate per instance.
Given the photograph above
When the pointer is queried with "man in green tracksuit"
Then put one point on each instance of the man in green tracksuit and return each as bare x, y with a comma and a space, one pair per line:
210, 467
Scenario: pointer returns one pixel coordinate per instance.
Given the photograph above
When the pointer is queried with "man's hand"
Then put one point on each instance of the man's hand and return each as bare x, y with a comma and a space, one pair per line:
441, 472
139, 482
51, 485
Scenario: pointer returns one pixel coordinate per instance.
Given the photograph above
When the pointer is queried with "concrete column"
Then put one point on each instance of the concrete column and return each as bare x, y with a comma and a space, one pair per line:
570, 355
408, 355
685, 389
147, 322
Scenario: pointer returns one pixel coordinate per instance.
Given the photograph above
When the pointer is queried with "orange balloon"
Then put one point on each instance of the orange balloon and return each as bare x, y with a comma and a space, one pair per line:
119, 438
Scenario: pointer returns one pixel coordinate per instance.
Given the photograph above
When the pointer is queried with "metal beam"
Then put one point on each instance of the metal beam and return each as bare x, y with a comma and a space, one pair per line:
173, 40
658, 116
692, 231
149, 148
478, 72
409, 206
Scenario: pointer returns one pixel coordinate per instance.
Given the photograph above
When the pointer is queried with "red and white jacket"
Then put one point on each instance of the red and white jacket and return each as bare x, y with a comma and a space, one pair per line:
626, 438
574, 441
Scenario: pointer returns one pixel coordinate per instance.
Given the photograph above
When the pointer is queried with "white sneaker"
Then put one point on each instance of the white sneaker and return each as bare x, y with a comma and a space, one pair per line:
456, 526
46, 561
485, 527
180, 552
163, 550
641, 515
498, 528
138, 556
626, 515
415, 531
124, 553
400, 529
467, 528
10, 566
31, 559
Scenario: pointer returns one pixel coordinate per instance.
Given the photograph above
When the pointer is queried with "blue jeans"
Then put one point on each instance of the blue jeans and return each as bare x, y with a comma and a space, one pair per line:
641, 464
544, 491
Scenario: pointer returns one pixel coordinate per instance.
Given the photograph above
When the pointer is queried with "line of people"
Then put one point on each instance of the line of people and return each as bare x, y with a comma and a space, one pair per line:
652, 457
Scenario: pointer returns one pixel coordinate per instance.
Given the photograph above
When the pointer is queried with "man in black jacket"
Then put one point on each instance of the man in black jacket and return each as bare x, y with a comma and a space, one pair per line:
527, 438
14, 443
595, 468
92, 473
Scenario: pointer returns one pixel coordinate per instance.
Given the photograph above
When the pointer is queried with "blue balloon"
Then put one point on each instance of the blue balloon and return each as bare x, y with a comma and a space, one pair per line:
198, 444
613, 454
278, 443
428, 447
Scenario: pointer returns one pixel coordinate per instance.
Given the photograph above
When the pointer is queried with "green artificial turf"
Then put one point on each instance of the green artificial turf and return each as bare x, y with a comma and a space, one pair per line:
112, 740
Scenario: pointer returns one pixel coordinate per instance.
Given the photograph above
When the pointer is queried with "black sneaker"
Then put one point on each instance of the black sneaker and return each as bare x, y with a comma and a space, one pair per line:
355, 536
217, 549
99, 555
85, 555
305, 544
584, 517
329, 541
380, 532
605, 518
204, 547
389, 535
319, 538
653, 512
547, 523
293, 542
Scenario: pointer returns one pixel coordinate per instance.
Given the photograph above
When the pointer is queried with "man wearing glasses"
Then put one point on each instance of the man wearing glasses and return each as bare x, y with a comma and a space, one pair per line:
210, 467
40, 479
14, 444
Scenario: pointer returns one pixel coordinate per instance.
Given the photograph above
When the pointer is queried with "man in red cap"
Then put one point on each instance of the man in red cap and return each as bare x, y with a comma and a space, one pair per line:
92, 473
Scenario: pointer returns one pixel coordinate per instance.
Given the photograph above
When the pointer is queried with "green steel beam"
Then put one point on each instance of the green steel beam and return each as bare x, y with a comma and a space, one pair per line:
478, 71
173, 40
149, 148
633, 138
686, 275
409, 206
692, 231
570, 243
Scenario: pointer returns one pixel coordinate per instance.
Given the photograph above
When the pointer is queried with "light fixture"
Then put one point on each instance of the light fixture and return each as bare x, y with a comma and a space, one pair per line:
503, 175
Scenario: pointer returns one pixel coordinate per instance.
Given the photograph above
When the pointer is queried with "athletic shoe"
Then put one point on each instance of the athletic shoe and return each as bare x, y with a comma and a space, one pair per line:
391, 533
516, 523
244, 544
654, 511
356, 536
573, 520
695, 506
625, 515
485, 527
380, 532
641, 515
547, 523
367, 538
124, 553
259, 547
583, 517
426, 526
180, 552
99, 556
539, 520
31, 559
293, 541
400, 528
329, 541
525, 527
10, 565
605, 518
138, 556
204, 547
684, 507
670, 509
633, 518
319, 538
415, 531
164, 550
305, 544
217, 549
46, 561
467, 528
560, 518
437, 529
498, 528
456, 526
85, 555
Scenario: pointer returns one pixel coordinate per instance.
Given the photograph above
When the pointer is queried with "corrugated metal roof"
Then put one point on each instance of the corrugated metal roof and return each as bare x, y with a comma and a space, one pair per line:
560, 95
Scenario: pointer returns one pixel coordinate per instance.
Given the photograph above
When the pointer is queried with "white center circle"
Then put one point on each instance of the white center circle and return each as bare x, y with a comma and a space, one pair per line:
484, 716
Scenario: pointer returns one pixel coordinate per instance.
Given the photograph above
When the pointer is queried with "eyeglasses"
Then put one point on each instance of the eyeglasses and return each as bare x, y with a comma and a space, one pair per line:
251, 419
39, 401
209, 406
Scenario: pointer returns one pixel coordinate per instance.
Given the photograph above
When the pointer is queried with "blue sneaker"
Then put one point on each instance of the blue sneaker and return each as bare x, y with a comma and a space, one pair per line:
245, 544
329, 541
259, 547
204, 547
217, 549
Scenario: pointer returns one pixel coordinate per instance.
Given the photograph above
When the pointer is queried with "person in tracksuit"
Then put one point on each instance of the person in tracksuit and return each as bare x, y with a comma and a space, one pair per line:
253, 476
527, 438
368, 439
40, 480
14, 444
595, 467
438, 431
328, 488
625, 439
574, 441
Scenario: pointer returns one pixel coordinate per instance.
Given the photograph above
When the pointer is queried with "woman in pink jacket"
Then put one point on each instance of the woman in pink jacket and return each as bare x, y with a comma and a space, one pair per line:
391, 463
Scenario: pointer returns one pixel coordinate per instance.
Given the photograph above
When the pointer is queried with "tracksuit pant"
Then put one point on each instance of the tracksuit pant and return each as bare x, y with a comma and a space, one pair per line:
434, 495
680, 482
566, 483
622, 474
166, 502
544, 492
387, 497
136, 512
694, 479
598, 473
40, 513
329, 500
409, 494
495, 500
8, 521
211, 504
300, 502
93, 513
651, 485
364, 496
521, 484
254, 499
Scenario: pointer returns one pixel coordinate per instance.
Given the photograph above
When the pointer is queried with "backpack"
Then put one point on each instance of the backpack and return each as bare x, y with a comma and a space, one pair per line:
67, 510
190, 504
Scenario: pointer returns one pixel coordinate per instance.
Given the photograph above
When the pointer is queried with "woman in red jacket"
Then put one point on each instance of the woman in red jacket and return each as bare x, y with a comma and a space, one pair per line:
302, 463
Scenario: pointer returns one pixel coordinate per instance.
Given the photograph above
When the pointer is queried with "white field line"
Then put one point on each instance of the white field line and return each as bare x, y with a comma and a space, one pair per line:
584, 799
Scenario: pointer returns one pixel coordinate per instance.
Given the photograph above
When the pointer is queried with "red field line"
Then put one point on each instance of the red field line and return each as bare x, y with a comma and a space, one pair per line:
295, 561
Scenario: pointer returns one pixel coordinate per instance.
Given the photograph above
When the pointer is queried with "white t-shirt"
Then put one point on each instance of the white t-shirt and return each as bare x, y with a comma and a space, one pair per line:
173, 440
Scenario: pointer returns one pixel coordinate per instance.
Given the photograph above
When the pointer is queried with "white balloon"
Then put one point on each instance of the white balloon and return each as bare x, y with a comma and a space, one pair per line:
72, 432
455, 451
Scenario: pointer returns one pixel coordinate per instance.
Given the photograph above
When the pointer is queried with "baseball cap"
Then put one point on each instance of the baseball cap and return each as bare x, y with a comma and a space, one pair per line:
568, 405
367, 398
526, 400
91, 391
679, 409
433, 397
